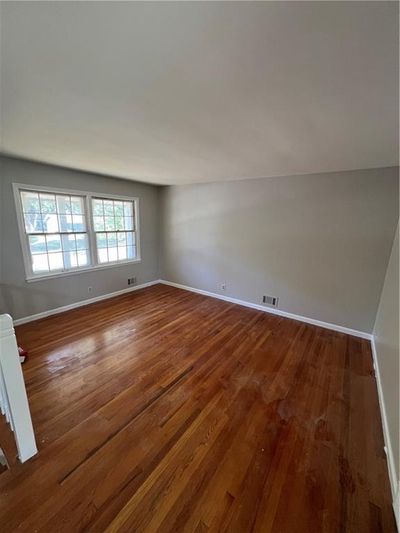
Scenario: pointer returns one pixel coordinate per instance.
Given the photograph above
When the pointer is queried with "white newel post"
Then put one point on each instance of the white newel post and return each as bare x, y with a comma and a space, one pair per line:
13, 398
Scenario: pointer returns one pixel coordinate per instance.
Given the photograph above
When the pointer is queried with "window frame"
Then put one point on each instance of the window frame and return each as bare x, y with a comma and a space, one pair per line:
96, 249
87, 200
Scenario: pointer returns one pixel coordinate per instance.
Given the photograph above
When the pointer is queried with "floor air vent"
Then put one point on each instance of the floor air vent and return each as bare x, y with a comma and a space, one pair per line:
270, 300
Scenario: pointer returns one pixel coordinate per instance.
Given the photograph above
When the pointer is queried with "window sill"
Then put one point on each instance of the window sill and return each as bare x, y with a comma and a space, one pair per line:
46, 276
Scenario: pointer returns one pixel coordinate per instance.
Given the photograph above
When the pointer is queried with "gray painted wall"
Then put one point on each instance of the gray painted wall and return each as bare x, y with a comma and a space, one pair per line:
20, 298
386, 333
320, 243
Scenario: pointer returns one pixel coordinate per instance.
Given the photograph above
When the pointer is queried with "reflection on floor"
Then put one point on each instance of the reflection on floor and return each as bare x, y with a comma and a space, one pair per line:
164, 410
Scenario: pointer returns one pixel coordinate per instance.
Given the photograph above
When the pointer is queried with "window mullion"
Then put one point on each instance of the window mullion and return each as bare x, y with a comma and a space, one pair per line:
43, 233
28, 251
91, 233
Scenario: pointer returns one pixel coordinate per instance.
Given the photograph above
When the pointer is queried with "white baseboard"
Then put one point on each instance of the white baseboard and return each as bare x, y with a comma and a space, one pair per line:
259, 307
64, 308
278, 312
394, 482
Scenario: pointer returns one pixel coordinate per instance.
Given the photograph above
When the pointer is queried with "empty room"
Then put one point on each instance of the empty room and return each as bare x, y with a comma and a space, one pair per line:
199, 266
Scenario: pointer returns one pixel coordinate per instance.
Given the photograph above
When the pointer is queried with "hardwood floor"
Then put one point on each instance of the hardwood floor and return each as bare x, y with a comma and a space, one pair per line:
164, 410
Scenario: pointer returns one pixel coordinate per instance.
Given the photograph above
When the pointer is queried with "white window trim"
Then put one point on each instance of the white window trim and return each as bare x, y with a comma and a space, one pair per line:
87, 198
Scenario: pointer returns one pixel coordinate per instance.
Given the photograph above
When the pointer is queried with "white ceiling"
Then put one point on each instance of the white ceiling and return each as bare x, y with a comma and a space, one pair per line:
190, 92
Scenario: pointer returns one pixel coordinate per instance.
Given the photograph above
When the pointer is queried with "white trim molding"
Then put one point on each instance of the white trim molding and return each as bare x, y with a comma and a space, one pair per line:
394, 482
13, 399
300, 318
81, 303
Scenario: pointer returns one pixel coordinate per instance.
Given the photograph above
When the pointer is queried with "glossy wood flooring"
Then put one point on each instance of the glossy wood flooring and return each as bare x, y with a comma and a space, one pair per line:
163, 410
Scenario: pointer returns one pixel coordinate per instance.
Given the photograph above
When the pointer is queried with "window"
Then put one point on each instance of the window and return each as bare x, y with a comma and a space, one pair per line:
68, 231
55, 228
114, 225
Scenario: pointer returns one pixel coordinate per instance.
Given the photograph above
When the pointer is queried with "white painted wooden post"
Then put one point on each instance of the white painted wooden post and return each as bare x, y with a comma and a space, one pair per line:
13, 398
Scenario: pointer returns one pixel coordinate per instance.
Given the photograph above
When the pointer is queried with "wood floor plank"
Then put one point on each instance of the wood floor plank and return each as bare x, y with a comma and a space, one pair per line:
164, 410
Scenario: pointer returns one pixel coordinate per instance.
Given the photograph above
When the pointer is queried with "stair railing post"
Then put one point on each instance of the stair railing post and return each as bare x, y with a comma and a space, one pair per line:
13, 389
